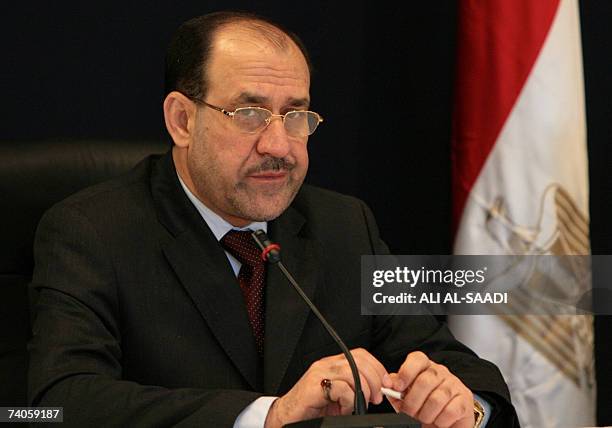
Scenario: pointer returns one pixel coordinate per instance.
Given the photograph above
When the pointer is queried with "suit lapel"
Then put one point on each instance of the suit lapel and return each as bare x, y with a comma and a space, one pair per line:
203, 269
286, 313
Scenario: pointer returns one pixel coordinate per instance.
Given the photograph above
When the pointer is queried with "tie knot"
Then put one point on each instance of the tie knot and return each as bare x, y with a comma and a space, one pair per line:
240, 244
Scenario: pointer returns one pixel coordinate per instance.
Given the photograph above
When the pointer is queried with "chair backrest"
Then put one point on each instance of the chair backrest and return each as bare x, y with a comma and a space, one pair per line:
33, 177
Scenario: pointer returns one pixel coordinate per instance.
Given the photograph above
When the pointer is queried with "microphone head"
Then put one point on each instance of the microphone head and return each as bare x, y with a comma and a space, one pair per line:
269, 251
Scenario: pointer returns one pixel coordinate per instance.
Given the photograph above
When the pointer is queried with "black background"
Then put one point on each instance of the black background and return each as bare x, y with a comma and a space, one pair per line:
383, 81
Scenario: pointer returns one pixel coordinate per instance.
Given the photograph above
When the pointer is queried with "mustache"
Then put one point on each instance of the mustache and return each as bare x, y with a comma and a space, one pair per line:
272, 164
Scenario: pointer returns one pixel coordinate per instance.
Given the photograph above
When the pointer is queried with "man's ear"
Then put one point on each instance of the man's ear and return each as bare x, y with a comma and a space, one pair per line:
179, 114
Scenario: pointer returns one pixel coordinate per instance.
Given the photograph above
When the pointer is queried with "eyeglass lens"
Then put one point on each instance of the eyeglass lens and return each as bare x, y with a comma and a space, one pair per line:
297, 123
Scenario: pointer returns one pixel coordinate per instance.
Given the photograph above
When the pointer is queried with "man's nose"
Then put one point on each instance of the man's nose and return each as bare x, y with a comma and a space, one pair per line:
274, 140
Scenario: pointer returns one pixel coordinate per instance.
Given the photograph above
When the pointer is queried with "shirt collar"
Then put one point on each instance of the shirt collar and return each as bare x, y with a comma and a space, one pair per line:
215, 222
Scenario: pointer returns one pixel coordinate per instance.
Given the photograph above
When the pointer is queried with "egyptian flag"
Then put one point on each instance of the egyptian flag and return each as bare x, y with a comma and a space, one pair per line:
520, 187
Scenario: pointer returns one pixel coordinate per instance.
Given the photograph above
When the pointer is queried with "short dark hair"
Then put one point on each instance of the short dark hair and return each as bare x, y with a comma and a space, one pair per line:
189, 50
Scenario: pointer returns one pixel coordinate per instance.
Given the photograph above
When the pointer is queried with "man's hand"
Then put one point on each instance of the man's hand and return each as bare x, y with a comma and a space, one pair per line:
307, 399
433, 395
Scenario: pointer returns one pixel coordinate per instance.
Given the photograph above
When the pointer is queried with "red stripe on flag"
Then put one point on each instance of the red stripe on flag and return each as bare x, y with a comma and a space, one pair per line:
497, 45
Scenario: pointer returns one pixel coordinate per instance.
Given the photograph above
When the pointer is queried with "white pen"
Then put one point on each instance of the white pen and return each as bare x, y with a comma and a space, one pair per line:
392, 393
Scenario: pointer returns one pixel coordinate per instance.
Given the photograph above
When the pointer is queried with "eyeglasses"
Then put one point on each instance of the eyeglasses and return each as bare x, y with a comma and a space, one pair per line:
250, 120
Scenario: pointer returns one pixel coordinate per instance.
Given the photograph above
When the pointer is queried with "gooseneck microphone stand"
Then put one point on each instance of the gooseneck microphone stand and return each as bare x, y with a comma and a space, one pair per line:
360, 418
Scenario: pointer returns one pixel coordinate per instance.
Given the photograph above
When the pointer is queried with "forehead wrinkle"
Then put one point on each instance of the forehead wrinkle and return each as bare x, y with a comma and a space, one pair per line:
264, 69
277, 82
249, 97
262, 75
233, 46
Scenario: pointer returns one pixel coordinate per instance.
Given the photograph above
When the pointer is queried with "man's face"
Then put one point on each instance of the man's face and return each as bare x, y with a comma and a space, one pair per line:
249, 177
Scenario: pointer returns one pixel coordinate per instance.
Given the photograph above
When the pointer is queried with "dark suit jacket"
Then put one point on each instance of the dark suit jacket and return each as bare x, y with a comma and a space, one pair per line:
140, 321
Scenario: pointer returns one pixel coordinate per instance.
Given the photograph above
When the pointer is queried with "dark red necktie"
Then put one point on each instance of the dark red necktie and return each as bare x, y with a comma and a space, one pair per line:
241, 245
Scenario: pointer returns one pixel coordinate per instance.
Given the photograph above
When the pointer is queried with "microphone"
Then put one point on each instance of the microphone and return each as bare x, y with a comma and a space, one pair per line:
270, 252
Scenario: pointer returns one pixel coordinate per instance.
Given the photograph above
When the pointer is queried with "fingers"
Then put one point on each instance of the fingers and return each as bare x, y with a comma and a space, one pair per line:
372, 372
433, 395
388, 382
432, 405
365, 387
337, 369
307, 399
456, 414
368, 358
427, 386
415, 363
343, 395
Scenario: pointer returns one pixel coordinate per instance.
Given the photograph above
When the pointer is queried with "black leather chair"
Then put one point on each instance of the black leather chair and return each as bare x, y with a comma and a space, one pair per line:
33, 177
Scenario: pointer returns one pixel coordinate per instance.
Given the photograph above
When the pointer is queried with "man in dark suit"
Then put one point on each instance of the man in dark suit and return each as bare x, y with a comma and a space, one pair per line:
141, 320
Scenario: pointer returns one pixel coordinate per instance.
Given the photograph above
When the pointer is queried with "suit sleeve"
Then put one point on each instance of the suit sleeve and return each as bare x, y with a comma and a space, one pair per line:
396, 336
75, 352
